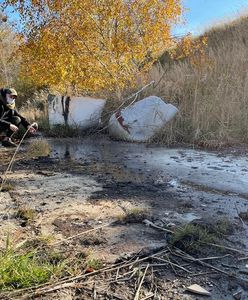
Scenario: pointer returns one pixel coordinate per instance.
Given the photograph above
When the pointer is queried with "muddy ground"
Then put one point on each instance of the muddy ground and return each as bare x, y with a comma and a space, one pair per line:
95, 183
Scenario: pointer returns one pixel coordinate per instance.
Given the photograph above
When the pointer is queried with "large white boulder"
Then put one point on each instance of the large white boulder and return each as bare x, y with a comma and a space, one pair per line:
140, 121
82, 112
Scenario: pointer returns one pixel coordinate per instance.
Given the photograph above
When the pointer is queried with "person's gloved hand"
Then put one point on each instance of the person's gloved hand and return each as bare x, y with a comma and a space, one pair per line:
13, 128
33, 127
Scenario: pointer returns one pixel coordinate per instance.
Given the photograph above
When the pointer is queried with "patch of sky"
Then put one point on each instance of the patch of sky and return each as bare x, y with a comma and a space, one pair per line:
202, 14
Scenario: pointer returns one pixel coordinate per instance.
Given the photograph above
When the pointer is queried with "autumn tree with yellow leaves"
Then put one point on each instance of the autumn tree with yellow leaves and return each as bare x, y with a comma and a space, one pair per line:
93, 45
9, 61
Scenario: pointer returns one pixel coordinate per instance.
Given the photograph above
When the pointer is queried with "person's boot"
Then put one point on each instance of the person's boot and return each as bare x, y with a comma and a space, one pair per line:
7, 142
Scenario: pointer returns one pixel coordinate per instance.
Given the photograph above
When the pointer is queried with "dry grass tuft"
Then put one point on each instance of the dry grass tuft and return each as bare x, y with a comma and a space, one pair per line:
134, 215
26, 215
39, 148
7, 187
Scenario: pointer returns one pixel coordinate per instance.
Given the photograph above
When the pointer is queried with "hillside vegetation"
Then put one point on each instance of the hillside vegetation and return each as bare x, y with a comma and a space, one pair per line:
212, 95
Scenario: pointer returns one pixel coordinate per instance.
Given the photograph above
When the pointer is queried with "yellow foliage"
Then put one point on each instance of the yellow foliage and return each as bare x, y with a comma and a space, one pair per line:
193, 49
9, 60
92, 45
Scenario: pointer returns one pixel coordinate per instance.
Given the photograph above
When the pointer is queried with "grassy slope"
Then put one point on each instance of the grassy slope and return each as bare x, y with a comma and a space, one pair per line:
212, 98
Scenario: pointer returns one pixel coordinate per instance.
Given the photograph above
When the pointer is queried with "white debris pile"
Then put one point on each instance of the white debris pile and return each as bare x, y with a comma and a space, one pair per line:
142, 120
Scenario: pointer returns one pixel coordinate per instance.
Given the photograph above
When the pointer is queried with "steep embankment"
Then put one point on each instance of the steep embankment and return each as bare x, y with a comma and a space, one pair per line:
212, 95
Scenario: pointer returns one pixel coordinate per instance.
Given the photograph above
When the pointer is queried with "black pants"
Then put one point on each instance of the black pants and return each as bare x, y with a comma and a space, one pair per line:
13, 120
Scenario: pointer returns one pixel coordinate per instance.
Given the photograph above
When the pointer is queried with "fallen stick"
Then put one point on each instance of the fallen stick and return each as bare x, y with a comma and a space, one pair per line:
243, 224
135, 95
173, 264
58, 287
243, 258
148, 296
149, 223
230, 266
213, 257
136, 297
94, 292
243, 282
117, 274
202, 273
186, 256
111, 280
227, 248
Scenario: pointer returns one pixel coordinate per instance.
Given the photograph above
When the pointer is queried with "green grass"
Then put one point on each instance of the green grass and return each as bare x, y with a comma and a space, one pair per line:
190, 238
27, 269
34, 262
197, 237
94, 263
223, 227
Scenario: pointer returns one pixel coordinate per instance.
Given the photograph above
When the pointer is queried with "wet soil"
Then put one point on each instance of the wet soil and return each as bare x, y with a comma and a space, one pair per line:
95, 183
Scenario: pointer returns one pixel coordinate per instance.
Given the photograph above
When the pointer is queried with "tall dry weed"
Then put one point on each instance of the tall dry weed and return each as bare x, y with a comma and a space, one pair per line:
212, 97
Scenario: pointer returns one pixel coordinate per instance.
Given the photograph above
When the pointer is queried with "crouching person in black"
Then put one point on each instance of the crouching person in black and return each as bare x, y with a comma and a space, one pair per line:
10, 119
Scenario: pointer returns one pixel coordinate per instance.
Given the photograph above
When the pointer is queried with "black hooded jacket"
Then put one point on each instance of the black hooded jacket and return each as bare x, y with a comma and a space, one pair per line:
6, 113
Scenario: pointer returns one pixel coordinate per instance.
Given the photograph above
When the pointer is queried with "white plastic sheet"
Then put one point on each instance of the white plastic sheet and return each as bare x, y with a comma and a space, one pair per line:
83, 112
141, 121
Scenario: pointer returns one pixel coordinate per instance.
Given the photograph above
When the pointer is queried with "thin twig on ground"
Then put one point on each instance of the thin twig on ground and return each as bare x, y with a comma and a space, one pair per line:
52, 289
202, 273
213, 257
149, 223
227, 248
243, 258
186, 256
243, 224
136, 297
148, 296
79, 234
172, 264
94, 292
